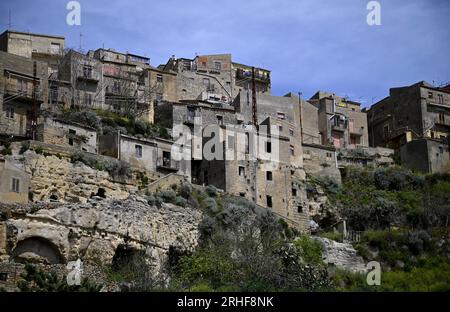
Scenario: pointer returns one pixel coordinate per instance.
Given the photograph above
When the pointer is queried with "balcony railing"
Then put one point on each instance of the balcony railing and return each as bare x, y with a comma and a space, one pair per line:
23, 92
242, 74
88, 75
339, 127
442, 121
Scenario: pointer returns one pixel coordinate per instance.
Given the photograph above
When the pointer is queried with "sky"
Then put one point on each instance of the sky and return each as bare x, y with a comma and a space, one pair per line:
308, 45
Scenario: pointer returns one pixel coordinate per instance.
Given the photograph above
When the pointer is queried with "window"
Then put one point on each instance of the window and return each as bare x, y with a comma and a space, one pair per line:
440, 99
217, 65
430, 95
3, 276
53, 94
247, 143
241, 171
22, 87
280, 128
87, 71
55, 48
9, 112
166, 159
88, 99
138, 149
72, 134
294, 192
269, 201
268, 147
291, 132
386, 131
15, 185
206, 83
116, 87
231, 142
281, 116
441, 117
299, 209
269, 175
292, 149
159, 78
219, 119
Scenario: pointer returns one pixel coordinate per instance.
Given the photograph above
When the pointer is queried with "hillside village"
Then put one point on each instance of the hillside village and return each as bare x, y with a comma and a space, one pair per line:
79, 130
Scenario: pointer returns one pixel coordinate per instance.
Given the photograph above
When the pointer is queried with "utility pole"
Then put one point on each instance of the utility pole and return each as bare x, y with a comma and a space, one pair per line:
255, 125
9, 20
254, 110
34, 117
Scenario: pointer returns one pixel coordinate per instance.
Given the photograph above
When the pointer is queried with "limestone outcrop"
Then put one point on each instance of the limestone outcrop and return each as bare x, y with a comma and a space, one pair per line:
341, 255
95, 230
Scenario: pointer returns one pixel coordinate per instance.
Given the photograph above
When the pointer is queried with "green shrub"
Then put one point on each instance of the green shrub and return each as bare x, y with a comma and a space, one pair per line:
180, 201
310, 251
25, 146
335, 236
186, 190
168, 196
211, 190
39, 150
211, 205
154, 201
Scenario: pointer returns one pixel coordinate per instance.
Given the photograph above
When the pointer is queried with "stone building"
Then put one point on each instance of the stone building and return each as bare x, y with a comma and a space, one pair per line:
14, 183
164, 89
65, 133
266, 168
125, 82
24, 85
341, 122
243, 78
40, 47
317, 157
153, 155
214, 78
79, 82
415, 112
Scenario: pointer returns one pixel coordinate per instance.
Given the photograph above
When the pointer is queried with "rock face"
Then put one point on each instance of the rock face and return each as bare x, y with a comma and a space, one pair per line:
96, 230
58, 179
341, 255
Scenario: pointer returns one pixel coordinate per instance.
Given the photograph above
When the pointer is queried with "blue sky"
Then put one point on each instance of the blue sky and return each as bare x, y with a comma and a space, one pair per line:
309, 45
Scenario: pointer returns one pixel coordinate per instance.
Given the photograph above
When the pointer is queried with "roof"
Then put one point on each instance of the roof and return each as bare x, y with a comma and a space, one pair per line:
32, 34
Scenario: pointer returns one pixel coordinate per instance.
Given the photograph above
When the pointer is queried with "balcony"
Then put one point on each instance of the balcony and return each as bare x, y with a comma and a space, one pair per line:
243, 74
442, 121
357, 132
339, 127
88, 75
23, 92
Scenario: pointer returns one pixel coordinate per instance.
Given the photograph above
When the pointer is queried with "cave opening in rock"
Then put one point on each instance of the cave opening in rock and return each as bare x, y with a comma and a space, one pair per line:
38, 250
126, 256
53, 198
101, 193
